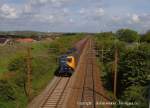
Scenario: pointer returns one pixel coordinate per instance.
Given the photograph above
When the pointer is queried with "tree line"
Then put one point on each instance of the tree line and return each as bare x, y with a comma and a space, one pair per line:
133, 65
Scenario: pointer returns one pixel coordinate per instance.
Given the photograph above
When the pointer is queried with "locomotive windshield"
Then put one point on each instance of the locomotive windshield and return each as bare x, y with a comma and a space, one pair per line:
63, 59
69, 59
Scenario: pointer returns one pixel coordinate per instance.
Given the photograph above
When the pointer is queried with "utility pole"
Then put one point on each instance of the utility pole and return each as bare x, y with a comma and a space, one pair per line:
149, 88
29, 82
102, 55
115, 72
101, 52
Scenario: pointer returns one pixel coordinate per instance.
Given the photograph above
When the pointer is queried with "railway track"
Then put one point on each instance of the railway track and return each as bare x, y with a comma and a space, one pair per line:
88, 93
83, 90
56, 95
87, 90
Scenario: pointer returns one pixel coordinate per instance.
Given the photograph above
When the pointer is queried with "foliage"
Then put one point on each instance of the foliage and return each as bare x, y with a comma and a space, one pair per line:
61, 45
133, 68
6, 91
18, 63
128, 35
13, 89
106, 36
146, 37
135, 94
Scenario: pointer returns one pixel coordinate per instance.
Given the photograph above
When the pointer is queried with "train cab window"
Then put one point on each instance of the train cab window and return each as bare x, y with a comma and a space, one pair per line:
69, 59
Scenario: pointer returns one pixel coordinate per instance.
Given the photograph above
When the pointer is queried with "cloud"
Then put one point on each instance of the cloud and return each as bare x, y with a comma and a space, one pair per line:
71, 20
116, 18
135, 18
27, 8
57, 3
82, 10
74, 15
8, 12
90, 14
99, 11
96, 11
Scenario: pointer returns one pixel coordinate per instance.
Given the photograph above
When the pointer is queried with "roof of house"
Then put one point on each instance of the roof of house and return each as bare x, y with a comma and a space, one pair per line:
2, 40
25, 40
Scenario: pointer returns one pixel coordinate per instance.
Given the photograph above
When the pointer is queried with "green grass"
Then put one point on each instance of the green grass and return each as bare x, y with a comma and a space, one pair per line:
44, 65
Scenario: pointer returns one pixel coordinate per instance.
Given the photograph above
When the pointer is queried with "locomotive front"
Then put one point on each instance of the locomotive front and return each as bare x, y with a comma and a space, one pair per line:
66, 65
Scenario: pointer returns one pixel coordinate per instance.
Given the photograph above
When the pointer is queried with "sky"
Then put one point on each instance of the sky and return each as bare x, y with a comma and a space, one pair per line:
74, 15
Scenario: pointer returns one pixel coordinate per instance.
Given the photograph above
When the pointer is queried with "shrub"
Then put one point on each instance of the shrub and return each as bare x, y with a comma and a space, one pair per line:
7, 93
128, 35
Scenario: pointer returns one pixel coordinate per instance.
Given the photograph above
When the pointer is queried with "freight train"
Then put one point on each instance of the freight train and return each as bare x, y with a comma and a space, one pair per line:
68, 62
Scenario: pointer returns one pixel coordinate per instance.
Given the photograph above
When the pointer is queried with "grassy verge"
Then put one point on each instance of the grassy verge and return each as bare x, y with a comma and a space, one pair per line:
13, 69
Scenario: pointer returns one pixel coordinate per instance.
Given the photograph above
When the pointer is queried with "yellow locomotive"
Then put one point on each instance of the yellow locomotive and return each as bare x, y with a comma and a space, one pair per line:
67, 63
71, 62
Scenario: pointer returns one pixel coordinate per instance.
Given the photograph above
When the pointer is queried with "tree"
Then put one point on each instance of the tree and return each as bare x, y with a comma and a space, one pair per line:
18, 65
133, 69
128, 35
6, 91
135, 94
146, 37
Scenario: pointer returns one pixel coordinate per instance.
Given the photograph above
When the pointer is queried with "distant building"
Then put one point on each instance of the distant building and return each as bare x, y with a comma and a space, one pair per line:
5, 41
2, 40
25, 40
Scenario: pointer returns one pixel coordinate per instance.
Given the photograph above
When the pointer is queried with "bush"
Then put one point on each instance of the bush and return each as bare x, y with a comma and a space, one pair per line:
128, 35
18, 65
135, 94
133, 69
146, 37
7, 93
